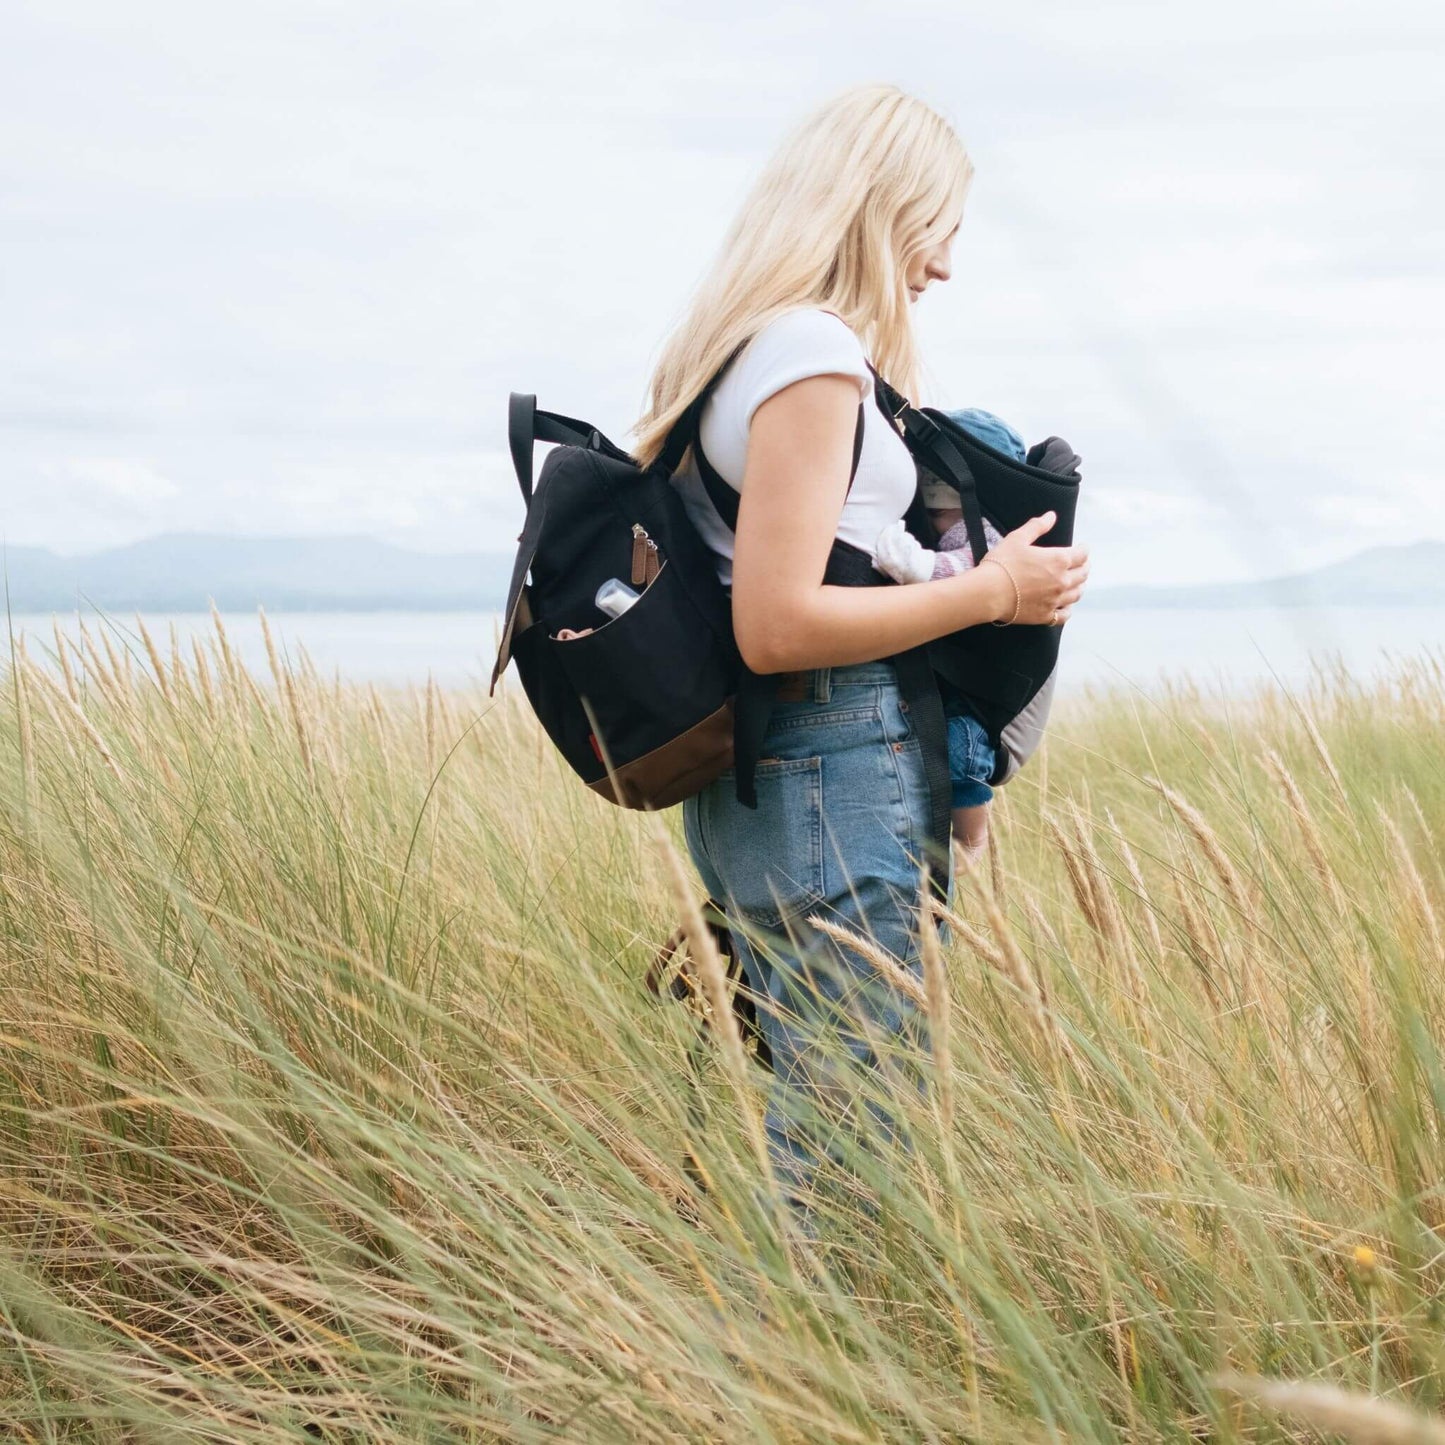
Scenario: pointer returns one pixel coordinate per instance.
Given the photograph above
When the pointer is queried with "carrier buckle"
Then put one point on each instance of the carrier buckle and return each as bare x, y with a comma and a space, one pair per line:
923, 427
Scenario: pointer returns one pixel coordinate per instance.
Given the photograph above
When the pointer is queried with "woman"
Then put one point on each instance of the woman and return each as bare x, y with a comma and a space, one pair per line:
849, 224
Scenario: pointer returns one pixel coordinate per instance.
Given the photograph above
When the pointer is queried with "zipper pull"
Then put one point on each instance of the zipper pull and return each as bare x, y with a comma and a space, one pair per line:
640, 541
646, 559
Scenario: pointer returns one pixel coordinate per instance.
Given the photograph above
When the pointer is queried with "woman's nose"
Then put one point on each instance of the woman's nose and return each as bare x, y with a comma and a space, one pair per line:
939, 268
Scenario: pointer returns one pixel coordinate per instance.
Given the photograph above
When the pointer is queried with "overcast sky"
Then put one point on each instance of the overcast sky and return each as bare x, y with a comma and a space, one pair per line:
272, 268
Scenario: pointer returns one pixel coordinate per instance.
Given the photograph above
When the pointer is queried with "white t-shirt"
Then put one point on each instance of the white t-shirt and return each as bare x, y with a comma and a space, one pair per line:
807, 342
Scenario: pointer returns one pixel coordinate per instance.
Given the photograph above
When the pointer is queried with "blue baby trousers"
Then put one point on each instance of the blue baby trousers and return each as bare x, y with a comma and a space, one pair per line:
971, 756
840, 831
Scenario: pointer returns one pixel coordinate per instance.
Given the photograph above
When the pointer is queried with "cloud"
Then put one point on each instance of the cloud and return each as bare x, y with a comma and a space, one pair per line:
123, 486
1404, 508
444, 502
1147, 507
277, 269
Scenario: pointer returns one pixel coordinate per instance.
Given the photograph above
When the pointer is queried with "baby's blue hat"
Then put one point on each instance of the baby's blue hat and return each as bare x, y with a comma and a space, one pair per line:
991, 430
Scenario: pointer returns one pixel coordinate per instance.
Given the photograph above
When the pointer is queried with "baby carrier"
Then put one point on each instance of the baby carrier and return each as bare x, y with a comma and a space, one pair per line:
1005, 674
651, 705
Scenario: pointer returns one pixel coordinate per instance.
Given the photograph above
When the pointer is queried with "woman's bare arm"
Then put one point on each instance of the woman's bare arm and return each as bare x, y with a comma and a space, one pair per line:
794, 485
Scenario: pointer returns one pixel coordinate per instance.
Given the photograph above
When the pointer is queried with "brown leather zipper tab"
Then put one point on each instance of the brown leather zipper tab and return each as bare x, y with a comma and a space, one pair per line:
646, 560
640, 543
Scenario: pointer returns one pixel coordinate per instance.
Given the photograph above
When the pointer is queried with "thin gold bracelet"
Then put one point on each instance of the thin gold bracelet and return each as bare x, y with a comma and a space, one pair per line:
1013, 582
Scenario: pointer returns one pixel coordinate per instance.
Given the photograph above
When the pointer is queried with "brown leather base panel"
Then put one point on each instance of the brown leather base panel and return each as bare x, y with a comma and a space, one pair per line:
677, 769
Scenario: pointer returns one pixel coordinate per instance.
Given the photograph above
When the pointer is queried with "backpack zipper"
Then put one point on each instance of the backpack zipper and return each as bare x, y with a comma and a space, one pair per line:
645, 559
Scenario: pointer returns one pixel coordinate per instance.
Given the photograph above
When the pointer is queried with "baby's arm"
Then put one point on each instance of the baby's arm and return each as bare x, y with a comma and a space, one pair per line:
900, 555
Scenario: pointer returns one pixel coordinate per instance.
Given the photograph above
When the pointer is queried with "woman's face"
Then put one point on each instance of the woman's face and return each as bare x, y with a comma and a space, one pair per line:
934, 264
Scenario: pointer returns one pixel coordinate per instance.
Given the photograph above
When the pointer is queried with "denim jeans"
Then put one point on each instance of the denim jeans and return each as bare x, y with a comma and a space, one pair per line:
840, 831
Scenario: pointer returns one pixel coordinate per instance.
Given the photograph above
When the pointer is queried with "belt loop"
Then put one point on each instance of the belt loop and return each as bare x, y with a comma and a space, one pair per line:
822, 684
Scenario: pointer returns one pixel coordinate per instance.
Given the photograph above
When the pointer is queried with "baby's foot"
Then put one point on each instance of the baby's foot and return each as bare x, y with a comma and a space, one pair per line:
954, 543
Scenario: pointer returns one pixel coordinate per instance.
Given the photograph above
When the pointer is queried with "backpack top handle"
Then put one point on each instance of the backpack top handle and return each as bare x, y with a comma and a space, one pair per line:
526, 426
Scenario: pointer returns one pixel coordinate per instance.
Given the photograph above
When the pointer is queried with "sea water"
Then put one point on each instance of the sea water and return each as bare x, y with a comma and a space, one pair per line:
1229, 649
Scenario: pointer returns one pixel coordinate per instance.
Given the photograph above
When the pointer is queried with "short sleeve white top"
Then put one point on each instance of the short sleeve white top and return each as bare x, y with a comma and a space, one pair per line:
806, 342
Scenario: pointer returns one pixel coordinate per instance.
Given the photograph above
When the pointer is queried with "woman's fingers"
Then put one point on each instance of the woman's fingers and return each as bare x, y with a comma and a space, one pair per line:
1074, 576
1050, 580
1070, 592
1033, 529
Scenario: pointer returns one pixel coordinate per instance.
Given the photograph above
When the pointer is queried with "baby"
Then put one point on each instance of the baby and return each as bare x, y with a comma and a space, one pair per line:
902, 557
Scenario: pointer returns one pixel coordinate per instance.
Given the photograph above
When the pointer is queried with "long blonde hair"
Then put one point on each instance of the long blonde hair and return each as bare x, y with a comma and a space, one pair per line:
863, 185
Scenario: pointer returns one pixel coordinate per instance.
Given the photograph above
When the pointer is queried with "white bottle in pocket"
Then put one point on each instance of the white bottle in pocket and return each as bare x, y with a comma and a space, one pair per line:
614, 597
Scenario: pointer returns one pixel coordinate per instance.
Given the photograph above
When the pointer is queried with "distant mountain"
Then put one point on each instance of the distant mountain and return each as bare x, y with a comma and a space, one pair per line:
1407, 576
182, 571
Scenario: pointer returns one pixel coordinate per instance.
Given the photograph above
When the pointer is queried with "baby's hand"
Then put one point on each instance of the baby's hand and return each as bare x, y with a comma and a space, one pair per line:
900, 555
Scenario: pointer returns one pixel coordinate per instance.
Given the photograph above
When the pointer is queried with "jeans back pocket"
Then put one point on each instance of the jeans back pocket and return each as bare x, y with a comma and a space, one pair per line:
770, 857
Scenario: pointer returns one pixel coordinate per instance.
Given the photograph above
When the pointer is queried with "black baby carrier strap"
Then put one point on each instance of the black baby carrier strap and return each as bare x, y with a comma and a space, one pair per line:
847, 566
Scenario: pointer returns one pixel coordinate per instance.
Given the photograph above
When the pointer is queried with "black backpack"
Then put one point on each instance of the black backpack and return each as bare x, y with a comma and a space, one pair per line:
641, 708
645, 706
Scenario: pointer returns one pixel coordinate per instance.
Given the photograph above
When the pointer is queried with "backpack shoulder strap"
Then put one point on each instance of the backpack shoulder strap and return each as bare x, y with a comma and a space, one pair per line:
726, 499
684, 429
724, 496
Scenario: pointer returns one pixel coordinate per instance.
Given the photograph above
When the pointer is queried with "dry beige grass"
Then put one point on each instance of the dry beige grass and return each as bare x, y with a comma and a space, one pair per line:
329, 1094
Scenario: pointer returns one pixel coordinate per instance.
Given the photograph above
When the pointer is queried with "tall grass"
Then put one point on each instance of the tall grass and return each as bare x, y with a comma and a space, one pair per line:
331, 1104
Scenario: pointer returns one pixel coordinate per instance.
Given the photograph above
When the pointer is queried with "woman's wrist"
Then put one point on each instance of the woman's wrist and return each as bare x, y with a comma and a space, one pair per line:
989, 592
1013, 584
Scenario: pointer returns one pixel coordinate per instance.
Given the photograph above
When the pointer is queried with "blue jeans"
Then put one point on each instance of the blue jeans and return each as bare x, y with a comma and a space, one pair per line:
840, 831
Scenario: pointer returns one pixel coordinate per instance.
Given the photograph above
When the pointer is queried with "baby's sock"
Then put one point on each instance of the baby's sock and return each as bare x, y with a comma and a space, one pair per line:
954, 554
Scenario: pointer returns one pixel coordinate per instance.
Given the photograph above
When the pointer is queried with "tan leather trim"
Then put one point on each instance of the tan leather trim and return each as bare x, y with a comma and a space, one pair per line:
519, 621
677, 769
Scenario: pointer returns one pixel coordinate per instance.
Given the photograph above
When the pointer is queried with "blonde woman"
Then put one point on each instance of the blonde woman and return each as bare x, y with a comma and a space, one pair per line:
848, 226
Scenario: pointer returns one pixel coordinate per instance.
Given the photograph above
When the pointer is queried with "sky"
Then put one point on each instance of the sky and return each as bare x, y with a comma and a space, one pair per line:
272, 269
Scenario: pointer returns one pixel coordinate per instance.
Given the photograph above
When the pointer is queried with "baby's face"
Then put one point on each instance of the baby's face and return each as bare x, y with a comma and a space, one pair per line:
945, 517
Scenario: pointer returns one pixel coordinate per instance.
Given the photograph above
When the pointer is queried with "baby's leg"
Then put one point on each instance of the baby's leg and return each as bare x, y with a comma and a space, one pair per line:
970, 833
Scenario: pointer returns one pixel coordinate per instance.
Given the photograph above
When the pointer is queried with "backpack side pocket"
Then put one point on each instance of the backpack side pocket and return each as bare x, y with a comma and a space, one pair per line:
656, 688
